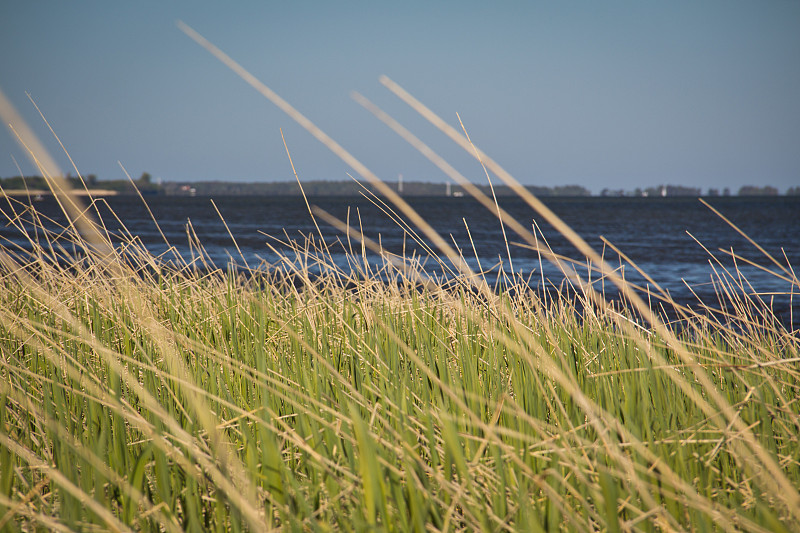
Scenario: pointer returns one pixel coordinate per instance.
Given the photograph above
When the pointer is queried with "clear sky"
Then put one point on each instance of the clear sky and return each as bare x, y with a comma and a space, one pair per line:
601, 94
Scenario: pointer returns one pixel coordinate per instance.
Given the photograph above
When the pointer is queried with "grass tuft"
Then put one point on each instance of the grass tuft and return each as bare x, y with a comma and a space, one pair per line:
164, 393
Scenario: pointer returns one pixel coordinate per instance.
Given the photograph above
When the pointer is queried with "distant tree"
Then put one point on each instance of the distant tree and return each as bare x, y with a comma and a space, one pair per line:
713, 192
34, 182
726, 191
91, 180
793, 191
145, 178
680, 190
17, 182
612, 192
570, 190
754, 190
24, 182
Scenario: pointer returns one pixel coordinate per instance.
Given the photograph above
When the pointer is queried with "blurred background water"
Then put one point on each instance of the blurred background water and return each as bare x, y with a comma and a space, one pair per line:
672, 239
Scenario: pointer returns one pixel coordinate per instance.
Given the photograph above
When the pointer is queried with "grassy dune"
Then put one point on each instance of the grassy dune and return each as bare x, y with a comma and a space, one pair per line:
144, 393
136, 396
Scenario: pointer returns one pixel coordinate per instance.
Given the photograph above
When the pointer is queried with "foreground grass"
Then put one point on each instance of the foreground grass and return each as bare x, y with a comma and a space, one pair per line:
142, 393
134, 397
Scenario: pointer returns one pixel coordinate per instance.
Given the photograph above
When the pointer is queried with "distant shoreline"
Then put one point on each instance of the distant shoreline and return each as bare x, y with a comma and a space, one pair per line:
37, 187
43, 193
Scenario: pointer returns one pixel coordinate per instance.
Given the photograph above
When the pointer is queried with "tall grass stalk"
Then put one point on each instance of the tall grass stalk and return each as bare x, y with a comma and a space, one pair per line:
141, 392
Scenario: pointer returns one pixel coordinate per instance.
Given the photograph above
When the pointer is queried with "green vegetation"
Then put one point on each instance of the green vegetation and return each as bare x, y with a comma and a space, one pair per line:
138, 396
163, 394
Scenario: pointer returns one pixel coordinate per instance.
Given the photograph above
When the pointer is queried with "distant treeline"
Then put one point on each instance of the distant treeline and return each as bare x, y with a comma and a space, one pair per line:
289, 188
679, 190
90, 181
350, 188
147, 186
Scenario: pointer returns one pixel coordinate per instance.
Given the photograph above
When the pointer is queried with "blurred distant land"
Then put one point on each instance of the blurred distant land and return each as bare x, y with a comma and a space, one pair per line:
146, 185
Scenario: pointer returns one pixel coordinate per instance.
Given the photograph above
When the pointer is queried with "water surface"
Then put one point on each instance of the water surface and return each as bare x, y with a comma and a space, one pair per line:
679, 242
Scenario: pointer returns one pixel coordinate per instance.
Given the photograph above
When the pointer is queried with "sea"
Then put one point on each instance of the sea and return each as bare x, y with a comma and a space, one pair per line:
751, 246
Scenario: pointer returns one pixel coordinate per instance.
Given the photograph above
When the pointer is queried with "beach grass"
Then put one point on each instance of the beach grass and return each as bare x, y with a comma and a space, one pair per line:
137, 395
171, 394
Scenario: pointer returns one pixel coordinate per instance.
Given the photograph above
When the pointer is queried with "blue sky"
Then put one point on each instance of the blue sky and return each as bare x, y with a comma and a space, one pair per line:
601, 94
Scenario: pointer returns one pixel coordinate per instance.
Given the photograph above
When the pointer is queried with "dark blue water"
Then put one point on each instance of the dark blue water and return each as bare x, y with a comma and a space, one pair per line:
664, 236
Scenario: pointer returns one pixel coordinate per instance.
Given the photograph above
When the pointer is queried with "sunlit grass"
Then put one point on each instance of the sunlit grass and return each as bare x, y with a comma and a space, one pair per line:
147, 397
165, 393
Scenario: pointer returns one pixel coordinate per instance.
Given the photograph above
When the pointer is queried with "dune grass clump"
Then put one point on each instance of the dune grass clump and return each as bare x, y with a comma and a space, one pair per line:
135, 396
167, 394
